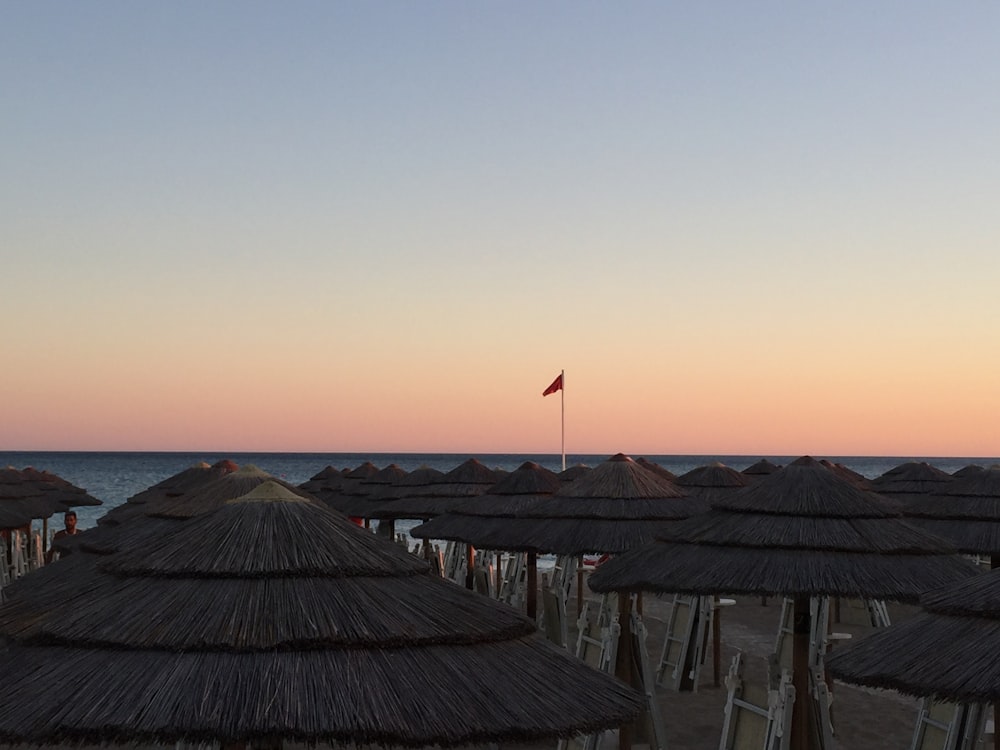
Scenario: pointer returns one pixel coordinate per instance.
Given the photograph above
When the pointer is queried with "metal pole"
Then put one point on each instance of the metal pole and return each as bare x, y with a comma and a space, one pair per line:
562, 403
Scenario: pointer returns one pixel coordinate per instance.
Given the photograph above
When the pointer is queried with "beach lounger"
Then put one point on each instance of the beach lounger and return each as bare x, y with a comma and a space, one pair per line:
943, 725
656, 733
756, 717
681, 658
598, 631
515, 581
819, 614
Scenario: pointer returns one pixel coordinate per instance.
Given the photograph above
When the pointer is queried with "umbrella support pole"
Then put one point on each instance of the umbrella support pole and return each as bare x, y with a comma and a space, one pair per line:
801, 714
624, 661
531, 595
579, 587
45, 536
470, 567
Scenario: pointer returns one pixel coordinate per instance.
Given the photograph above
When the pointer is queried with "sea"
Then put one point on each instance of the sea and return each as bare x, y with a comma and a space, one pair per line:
113, 477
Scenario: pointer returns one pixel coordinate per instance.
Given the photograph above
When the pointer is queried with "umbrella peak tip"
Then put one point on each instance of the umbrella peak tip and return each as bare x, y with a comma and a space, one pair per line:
269, 492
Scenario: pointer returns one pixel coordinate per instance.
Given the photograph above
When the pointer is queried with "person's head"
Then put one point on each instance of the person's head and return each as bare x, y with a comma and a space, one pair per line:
69, 521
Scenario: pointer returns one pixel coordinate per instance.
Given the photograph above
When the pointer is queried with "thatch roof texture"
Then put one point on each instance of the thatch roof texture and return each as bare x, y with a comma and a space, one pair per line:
965, 511
184, 481
761, 468
367, 497
655, 468
469, 479
912, 480
616, 506
476, 519
27, 494
275, 617
803, 530
948, 651
715, 480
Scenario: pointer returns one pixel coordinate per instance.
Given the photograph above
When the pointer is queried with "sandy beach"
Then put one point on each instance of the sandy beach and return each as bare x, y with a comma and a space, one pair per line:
864, 719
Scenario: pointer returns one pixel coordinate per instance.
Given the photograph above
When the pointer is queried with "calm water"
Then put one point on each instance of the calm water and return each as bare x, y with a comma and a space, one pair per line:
114, 477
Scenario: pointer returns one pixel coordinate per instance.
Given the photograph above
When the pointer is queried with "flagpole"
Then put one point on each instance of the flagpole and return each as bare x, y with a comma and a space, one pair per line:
562, 403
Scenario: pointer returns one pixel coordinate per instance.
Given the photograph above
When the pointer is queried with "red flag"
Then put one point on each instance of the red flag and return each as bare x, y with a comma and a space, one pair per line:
556, 386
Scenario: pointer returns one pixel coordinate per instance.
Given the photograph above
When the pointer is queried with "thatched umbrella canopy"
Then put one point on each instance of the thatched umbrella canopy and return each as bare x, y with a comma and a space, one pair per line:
802, 531
617, 506
480, 521
28, 494
847, 473
58, 489
969, 470
338, 493
325, 479
183, 482
163, 514
468, 479
573, 472
713, 481
297, 625
911, 480
369, 492
965, 511
760, 468
947, 651
656, 468
414, 483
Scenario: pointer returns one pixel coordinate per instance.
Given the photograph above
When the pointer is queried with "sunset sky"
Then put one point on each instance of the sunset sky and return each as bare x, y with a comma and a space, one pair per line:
741, 228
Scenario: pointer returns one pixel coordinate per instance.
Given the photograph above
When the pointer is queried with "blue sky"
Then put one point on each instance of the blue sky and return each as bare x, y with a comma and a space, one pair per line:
501, 191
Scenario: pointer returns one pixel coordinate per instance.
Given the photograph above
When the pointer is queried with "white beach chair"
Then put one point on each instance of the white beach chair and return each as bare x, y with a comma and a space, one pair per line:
756, 718
681, 658
597, 645
943, 725
515, 581
657, 737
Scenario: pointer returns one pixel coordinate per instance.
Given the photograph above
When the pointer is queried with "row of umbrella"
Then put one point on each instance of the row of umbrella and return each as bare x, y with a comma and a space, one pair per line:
809, 528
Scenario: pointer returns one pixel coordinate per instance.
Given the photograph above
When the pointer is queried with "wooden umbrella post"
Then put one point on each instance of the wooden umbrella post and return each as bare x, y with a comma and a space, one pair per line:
624, 660
801, 715
531, 597
579, 587
470, 567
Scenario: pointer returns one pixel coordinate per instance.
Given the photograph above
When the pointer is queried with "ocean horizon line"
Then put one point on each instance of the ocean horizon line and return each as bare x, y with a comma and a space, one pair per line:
548, 454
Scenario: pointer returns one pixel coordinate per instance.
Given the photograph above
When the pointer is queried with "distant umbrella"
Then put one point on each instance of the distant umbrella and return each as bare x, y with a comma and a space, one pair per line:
573, 472
965, 511
968, 471
468, 479
713, 481
911, 480
339, 493
480, 521
413, 484
326, 479
368, 494
761, 468
274, 617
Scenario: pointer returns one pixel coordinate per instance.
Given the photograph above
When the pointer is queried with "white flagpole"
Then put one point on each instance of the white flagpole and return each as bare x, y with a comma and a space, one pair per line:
562, 400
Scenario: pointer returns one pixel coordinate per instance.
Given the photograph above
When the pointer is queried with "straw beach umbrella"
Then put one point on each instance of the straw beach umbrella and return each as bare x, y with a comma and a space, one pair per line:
947, 651
478, 521
760, 468
715, 480
965, 511
469, 479
802, 531
912, 480
285, 621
